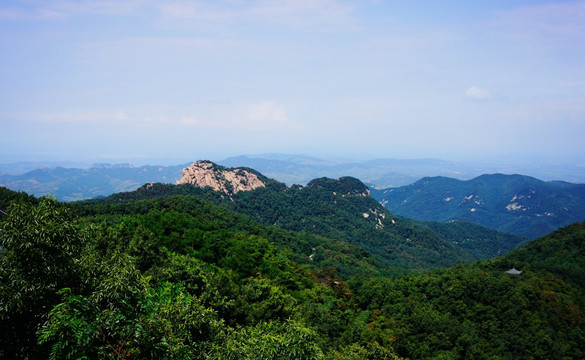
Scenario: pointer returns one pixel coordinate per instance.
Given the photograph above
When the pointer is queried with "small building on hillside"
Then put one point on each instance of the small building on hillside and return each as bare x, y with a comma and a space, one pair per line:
513, 271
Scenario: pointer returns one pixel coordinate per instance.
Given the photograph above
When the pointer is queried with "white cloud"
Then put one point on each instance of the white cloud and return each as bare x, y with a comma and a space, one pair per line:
477, 93
105, 7
308, 14
98, 117
551, 111
193, 10
140, 121
69, 116
121, 116
264, 116
559, 18
303, 12
573, 84
191, 121
556, 28
267, 113
314, 13
146, 50
61, 9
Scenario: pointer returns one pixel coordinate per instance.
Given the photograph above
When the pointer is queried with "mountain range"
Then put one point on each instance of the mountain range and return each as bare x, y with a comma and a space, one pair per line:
231, 264
70, 184
70, 181
338, 209
515, 204
528, 215
388, 172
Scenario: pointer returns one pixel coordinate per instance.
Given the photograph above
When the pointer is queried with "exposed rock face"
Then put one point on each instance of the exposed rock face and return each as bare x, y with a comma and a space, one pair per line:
229, 181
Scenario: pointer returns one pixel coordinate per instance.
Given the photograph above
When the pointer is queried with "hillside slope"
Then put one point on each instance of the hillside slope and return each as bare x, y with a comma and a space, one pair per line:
176, 276
561, 253
481, 311
479, 241
400, 245
515, 204
338, 209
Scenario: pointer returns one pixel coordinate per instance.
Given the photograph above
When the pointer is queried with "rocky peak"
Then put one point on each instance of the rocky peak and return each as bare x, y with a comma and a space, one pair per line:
229, 181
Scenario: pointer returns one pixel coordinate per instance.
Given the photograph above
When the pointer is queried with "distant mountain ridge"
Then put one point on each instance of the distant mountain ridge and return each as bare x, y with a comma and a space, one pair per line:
515, 204
391, 172
69, 183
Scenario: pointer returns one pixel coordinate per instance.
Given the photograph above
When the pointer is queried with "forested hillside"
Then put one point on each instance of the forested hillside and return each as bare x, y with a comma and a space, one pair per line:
515, 204
479, 241
337, 209
174, 277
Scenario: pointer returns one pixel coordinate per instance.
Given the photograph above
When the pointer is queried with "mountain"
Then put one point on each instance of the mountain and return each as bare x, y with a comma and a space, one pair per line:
515, 204
339, 209
298, 169
218, 178
22, 167
70, 184
67, 183
170, 271
388, 172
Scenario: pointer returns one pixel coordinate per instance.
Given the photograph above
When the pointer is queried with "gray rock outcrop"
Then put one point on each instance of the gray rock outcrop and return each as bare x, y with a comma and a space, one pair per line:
229, 181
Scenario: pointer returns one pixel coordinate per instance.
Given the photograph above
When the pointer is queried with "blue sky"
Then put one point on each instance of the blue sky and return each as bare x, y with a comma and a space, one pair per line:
458, 80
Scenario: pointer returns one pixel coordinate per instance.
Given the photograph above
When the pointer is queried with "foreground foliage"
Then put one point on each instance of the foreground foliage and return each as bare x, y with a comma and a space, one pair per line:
174, 280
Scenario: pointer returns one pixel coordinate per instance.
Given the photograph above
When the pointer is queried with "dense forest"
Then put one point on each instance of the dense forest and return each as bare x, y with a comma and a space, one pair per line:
339, 209
178, 272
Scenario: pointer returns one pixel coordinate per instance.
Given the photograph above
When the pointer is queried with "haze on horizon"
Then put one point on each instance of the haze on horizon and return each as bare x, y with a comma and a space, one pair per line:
188, 79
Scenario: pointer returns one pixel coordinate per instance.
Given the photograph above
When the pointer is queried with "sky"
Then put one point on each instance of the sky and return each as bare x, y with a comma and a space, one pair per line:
187, 80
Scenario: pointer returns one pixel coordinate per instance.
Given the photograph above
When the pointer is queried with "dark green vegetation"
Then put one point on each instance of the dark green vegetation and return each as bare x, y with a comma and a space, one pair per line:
479, 241
174, 272
515, 204
336, 209
8, 196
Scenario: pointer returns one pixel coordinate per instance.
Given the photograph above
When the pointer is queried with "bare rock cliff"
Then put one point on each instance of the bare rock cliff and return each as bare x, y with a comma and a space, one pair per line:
229, 181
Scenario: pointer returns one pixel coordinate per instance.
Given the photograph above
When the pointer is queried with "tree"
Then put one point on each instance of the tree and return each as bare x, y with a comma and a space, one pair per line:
40, 245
